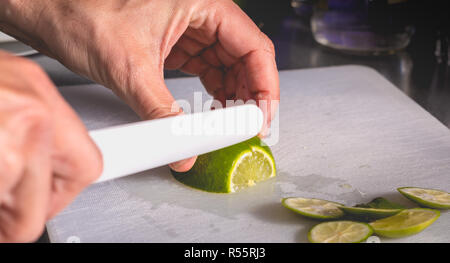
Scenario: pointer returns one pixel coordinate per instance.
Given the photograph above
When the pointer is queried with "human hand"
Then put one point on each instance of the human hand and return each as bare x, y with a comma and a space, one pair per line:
47, 156
125, 45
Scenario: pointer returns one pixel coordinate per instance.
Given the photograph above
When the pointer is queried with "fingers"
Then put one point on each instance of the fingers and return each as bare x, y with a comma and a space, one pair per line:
190, 45
76, 160
155, 101
224, 56
150, 99
11, 165
23, 209
247, 51
47, 156
240, 37
183, 165
262, 81
232, 57
237, 33
177, 58
206, 66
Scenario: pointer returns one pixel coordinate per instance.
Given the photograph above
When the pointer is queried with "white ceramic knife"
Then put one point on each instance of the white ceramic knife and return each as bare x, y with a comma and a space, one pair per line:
132, 148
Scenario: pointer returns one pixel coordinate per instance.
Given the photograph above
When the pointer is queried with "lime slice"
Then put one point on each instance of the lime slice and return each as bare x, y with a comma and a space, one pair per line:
369, 214
376, 209
339, 232
427, 197
231, 169
313, 208
407, 222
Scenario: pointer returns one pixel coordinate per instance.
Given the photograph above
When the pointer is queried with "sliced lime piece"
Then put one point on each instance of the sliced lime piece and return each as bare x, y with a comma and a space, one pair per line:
427, 197
230, 169
340, 232
407, 222
313, 208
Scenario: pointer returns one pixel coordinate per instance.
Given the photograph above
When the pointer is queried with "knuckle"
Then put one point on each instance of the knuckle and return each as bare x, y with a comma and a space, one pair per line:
33, 108
268, 44
24, 103
94, 169
161, 112
89, 168
11, 165
34, 116
36, 112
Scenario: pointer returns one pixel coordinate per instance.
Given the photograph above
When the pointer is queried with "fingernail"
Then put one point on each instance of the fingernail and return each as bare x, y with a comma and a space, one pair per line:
183, 165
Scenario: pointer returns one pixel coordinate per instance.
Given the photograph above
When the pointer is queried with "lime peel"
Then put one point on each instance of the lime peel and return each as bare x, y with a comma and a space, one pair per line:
230, 169
340, 232
407, 222
427, 197
313, 208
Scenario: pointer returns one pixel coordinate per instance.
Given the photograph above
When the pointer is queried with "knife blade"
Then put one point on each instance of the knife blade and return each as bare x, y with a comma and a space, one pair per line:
131, 148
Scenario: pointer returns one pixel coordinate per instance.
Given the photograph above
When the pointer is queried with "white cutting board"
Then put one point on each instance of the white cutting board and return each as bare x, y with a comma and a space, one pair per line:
346, 135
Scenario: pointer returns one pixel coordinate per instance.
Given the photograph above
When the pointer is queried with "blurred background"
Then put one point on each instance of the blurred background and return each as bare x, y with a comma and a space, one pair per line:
407, 41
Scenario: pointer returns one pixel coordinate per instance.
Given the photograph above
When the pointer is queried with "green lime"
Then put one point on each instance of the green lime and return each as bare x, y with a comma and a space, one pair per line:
427, 197
376, 209
407, 222
313, 208
231, 169
340, 232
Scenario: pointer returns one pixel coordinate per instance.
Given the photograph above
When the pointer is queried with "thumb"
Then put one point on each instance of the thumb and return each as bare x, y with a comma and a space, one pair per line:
152, 100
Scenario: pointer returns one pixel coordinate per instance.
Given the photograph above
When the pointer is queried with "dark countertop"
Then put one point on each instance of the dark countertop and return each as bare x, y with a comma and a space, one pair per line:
414, 70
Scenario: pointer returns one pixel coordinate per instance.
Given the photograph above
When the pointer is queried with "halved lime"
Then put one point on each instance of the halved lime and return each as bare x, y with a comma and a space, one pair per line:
407, 222
340, 232
231, 169
313, 208
427, 197
376, 209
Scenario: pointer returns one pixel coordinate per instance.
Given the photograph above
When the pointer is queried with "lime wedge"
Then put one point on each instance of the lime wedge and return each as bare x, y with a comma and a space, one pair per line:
427, 197
313, 208
407, 222
230, 169
339, 232
376, 209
